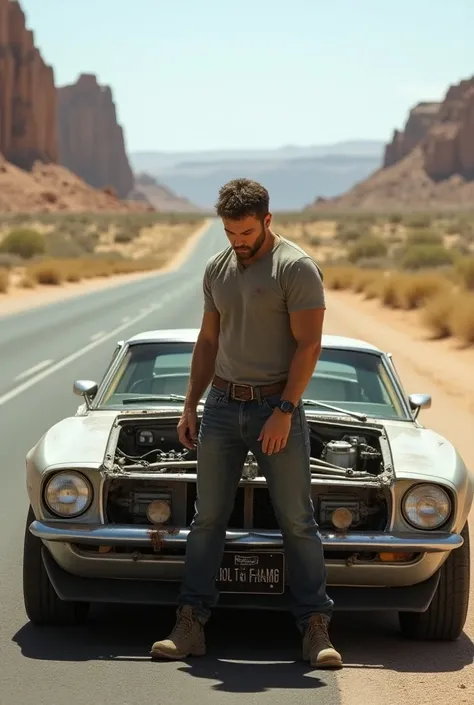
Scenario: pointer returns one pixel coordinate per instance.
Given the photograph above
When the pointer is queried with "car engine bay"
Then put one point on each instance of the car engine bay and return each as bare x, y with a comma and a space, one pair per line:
347, 450
154, 478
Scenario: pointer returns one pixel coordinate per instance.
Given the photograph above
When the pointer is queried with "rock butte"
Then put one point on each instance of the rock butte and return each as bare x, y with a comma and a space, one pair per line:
428, 164
91, 142
27, 94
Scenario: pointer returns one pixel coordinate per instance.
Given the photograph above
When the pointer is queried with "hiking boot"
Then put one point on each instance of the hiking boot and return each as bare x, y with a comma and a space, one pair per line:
317, 647
186, 639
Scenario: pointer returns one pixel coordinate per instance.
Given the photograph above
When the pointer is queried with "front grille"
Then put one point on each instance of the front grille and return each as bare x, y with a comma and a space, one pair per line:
127, 500
254, 510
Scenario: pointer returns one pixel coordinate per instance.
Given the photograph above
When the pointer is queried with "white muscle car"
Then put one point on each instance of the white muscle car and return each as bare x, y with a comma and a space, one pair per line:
112, 496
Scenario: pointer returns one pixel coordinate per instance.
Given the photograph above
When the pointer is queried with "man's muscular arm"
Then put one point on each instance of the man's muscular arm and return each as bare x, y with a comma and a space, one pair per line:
305, 299
307, 328
306, 307
202, 365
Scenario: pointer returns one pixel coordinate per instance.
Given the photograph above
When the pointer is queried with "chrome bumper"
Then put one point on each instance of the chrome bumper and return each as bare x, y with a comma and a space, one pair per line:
139, 536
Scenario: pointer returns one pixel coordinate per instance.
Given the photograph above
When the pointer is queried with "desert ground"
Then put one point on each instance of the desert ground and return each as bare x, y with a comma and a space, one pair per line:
406, 284
423, 314
420, 265
46, 258
384, 668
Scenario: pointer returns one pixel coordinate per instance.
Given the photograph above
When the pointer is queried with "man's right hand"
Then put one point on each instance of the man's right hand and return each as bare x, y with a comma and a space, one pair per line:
187, 428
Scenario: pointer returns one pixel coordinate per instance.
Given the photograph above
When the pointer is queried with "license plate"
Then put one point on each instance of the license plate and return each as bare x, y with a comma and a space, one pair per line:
252, 573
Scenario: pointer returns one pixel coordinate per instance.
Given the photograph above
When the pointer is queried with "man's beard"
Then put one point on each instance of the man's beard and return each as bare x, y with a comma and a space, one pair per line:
248, 253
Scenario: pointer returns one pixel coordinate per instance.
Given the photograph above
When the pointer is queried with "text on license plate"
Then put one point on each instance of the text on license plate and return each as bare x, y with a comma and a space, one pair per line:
254, 573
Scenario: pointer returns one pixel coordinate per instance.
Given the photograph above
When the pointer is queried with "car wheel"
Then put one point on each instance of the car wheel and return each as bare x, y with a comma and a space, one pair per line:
42, 604
445, 617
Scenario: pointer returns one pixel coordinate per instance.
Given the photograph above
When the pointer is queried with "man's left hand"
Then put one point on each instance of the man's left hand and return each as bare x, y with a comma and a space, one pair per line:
275, 431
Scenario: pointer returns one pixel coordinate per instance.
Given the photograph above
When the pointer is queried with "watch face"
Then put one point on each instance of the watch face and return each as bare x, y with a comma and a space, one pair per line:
287, 407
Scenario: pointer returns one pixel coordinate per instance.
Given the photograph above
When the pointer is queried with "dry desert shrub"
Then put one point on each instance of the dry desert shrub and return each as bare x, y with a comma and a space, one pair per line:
23, 242
57, 271
464, 271
373, 288
365, 279
48, 272
415, 290
27, 281
388, 290
9, 261
4, 280
423, 236
366, 247
339, 278
462, 318
436, 315
426, 256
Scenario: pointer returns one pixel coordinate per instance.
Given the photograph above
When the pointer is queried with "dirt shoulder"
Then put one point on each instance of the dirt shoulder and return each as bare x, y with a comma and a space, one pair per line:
444, 364
386, 668
18, 299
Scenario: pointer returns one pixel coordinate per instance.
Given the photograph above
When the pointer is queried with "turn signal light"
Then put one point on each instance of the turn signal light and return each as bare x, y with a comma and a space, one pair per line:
396, 557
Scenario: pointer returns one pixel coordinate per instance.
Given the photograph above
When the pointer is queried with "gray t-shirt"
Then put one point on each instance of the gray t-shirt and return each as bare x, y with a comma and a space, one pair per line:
256, 345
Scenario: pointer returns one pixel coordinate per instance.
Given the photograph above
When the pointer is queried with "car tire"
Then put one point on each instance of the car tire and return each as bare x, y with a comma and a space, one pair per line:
42, 605
445, 617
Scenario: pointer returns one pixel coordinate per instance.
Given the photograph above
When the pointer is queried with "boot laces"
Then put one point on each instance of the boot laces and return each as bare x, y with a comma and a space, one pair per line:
318, 630
184, 624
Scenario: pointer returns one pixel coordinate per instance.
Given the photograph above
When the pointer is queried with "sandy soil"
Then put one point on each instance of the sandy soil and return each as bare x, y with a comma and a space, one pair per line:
382, 668
20, 299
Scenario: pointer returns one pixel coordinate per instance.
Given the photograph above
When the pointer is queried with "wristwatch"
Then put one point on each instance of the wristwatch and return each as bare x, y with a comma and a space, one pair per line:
286, 407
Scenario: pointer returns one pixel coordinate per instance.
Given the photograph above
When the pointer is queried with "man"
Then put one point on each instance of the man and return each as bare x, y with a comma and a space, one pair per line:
259, 342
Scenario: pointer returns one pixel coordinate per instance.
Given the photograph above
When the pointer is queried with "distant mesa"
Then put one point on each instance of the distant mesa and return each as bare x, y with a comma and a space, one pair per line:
148, 189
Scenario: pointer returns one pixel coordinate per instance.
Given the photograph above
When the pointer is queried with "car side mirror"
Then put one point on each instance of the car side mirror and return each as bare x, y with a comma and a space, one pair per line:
418, 402
85, 388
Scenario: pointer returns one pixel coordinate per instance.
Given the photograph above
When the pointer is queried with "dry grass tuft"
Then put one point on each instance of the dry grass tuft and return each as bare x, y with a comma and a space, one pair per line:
462, 318
339, 278
4, 280
416, 290
465, 272
49, 273
410, 262
436, 315
53, 272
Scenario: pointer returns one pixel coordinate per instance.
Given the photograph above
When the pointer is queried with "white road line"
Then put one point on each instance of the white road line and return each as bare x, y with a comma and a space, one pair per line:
98, 335
126, 319
32, 370
70, 358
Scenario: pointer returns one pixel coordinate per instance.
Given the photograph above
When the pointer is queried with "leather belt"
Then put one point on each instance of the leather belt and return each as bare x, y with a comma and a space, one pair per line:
245, 392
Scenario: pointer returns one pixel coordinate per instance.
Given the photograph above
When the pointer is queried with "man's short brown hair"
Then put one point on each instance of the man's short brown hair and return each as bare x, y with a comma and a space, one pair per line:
241, 198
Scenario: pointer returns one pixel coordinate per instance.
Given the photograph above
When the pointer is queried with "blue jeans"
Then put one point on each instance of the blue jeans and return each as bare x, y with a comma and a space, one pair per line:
229, 429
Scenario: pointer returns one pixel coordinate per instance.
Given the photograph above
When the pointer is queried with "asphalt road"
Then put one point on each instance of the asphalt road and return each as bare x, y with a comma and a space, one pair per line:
251, 658
41, 353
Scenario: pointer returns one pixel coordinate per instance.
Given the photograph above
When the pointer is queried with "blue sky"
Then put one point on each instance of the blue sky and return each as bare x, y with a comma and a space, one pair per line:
205, 74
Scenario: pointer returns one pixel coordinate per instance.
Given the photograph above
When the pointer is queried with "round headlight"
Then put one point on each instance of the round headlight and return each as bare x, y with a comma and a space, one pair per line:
158, 511
426, 506
68, 494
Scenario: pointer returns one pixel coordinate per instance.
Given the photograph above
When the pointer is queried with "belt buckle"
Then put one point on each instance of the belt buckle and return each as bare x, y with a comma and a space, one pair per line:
233, 393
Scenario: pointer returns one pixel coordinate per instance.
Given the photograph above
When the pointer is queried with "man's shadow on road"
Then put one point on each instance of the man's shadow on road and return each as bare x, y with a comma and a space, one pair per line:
246, 652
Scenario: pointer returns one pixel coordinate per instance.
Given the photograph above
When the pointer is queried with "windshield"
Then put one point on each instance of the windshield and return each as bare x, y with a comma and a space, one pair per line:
355, 381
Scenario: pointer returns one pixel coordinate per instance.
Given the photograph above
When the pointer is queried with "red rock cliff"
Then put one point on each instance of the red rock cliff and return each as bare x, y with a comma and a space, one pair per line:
27, 93
445, 133
449, 146
430, 164
91, 142
420, 119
